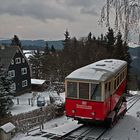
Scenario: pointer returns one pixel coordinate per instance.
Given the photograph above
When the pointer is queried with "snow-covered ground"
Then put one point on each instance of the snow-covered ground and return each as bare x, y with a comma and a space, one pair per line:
127, 128
25, 104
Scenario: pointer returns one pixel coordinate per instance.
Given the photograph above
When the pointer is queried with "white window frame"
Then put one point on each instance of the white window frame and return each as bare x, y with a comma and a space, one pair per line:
23, 60
24, 83
23, 71
11, 73
18, 60
12, 62
13, 86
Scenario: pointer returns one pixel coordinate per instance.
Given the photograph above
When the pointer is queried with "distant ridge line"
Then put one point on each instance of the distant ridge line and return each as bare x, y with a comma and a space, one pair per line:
36, 44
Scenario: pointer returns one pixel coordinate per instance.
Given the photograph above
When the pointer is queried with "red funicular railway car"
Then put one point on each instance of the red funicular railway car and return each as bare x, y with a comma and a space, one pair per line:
96, 92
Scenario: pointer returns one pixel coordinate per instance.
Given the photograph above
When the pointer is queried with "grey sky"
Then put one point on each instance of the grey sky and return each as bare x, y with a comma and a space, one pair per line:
48, 19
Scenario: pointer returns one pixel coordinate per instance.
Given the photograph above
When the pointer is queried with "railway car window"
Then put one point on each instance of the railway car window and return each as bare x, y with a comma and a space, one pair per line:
72, 89
117, 80
115, 84
121, 76
84, 90
109, 86
107, 89
95, 92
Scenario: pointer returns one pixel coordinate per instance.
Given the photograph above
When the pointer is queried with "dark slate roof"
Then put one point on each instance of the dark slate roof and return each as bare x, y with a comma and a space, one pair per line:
6, 55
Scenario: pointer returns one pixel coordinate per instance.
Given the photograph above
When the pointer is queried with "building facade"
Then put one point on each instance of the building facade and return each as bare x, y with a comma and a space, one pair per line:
15, 63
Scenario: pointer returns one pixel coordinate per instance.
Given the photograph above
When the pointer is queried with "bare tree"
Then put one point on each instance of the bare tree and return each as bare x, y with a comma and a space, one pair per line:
127, 15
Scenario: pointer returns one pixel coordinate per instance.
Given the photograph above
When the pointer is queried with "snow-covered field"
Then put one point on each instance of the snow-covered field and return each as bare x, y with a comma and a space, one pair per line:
127, 128
25, 104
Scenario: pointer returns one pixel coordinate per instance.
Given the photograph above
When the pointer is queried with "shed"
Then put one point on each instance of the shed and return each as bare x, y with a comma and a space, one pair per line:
6, 131
39, 84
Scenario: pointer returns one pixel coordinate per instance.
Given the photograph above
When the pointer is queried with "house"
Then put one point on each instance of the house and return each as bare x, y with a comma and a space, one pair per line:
6, 131
39, 84
15, 63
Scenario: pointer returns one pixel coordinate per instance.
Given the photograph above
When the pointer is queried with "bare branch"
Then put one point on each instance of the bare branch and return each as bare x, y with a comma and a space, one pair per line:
127, 15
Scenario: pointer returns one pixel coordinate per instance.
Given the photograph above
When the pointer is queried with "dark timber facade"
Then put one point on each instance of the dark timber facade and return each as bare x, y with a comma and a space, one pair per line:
15, 63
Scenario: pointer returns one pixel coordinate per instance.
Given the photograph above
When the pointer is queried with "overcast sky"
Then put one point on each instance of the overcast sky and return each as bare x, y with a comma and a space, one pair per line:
49, 19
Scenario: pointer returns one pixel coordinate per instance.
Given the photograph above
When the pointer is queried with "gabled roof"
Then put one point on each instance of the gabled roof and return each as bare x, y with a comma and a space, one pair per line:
6, 55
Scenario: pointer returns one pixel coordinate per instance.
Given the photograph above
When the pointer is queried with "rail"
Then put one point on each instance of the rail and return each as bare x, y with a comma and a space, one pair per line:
133, 103
84, 132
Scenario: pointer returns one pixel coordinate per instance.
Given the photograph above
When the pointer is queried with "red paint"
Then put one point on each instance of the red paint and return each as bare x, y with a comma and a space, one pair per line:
87, 109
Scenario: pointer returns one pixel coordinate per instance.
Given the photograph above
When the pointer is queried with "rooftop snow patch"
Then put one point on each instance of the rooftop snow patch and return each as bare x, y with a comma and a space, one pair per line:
8, 127
37, 81
97, 71
133, 45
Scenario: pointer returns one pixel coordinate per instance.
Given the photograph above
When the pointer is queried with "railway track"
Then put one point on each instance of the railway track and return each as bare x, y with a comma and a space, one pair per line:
85, 133
95, 133
132, 98
132, 102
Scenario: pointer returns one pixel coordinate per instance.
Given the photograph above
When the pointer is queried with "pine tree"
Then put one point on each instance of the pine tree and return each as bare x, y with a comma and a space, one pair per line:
89, 38
66, 53
118, 48
5, 94
15, 41
53, 50
121, 49
110, 41
67, 35
35, 61
127, 56
46, 49
110, 37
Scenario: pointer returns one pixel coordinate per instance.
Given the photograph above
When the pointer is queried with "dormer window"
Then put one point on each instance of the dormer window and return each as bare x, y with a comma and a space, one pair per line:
18, 60
12, 62
23, 71
23, 60
24, 83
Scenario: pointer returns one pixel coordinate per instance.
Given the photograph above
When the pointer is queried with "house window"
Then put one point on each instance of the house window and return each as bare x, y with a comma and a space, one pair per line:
12, 62
11, 73
23, 60
18, 60
23, 71
13, 86
24, 83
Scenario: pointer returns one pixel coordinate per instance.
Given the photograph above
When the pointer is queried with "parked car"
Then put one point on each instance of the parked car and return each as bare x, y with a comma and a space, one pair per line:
10, 102
41, 101
56, 99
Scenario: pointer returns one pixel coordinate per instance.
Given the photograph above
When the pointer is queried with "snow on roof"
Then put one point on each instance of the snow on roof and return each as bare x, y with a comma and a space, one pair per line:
97, 71
37, 81
28, 53
133, 45
8, 127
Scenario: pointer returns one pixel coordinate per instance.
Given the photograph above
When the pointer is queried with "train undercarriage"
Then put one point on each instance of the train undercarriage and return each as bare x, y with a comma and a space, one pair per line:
118, 112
